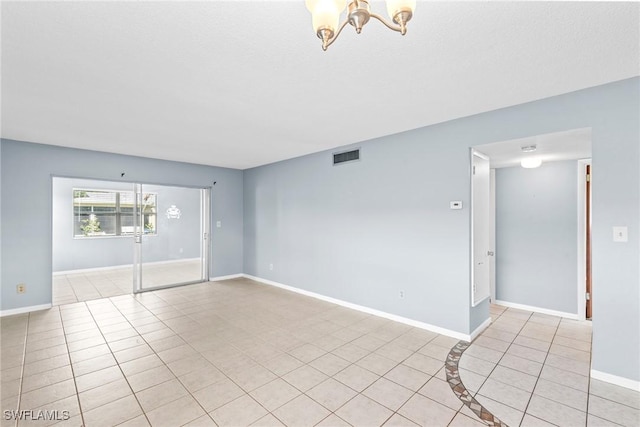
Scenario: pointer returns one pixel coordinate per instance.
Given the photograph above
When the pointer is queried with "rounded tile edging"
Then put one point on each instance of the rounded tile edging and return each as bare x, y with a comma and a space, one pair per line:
461, 392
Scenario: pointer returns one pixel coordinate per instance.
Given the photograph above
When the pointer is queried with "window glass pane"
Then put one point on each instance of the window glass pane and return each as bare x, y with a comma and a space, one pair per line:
110, 213
150, 224
149, 203
94, 213
126, 223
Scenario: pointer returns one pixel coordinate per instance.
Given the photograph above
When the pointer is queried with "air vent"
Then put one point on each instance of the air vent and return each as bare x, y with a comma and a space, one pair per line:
346, 156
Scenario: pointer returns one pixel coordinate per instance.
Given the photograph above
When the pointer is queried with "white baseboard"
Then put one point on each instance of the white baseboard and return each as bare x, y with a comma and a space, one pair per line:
91, 270
479, 329
396, 318
614, 379
22, 310
118, 267
572, 316
231, 276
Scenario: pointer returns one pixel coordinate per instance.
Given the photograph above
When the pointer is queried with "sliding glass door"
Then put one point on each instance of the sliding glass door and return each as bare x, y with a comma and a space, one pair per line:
171, 229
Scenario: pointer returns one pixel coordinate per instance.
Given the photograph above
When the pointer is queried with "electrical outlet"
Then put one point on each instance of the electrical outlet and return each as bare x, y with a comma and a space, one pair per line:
21, 288
401, 294
270, 266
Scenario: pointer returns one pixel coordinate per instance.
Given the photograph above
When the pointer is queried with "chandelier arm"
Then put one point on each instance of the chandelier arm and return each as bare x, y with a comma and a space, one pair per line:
344, 24
390, 26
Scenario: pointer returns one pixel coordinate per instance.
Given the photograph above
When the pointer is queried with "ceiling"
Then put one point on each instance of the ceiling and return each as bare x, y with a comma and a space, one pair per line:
245, 83
551, 147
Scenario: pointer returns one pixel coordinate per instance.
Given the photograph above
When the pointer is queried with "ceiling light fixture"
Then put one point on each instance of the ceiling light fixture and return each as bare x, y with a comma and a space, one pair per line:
530, 162
326, 16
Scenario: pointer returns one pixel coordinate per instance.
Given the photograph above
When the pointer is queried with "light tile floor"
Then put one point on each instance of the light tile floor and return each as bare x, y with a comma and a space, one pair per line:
241, 353
88, 285
532, 369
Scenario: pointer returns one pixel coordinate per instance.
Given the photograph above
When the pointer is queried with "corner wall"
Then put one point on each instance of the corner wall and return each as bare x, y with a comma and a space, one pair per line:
26, 228
362, 232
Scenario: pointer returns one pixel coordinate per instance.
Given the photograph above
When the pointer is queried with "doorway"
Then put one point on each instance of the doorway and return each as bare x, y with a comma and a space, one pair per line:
97, 223
533, 220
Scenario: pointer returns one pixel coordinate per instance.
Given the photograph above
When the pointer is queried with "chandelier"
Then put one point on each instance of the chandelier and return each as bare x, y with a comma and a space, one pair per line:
326, 16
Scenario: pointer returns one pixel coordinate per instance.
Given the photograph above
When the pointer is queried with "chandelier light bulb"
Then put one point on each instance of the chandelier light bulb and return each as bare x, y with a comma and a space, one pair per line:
325, 14
401, 11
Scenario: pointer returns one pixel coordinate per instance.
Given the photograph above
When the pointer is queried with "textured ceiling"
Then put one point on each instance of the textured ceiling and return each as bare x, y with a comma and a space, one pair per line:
245, 83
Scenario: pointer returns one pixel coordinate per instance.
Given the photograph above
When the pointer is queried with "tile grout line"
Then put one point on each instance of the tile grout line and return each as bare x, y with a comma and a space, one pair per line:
132, 296
589, 377
503, 354
463, 390
457, 386
73, 374
22, 366
117, 363
541, 368
190, 393
194, 316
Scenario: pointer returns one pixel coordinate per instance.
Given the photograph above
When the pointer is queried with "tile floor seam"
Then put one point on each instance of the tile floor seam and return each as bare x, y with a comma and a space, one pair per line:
179, 318
540, 373
586, 409
224, 373
117, 364
75, 384
156, 354
22, 365
477, 392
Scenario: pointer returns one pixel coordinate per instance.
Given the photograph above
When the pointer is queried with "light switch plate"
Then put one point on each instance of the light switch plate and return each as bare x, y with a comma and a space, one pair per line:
455, 204
218, 224
620, 234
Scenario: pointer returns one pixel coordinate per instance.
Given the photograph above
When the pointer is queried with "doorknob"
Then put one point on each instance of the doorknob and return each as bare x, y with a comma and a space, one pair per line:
490, 253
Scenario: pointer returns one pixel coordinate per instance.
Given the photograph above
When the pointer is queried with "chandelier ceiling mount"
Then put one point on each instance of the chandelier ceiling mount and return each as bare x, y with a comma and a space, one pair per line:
326, 16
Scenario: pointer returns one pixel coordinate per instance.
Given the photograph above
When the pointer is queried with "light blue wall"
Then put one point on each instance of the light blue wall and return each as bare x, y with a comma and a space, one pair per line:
175, 238
536, 236
27, 171
362, 232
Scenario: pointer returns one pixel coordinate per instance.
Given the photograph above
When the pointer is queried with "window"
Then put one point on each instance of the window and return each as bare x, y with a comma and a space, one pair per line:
99, 213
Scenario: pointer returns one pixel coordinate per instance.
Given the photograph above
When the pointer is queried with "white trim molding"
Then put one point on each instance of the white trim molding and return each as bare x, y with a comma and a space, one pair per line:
572, 316
396, 318
231, 276
23, 310
616, 380
118, 267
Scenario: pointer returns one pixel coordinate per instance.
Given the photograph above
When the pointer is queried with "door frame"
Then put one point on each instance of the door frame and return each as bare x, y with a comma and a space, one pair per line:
205, 233
475, 153
582, 236
492, 234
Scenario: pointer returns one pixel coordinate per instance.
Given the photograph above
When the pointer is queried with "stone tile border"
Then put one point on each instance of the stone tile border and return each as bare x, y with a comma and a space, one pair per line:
453, 378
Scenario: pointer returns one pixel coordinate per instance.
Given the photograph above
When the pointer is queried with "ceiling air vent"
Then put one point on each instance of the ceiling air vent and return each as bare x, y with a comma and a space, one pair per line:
346, 156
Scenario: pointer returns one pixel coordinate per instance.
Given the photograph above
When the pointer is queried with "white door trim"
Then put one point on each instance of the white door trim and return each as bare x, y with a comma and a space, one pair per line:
492, 233
474, 302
